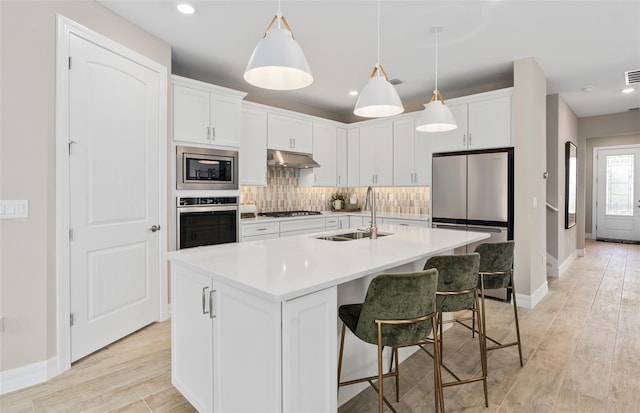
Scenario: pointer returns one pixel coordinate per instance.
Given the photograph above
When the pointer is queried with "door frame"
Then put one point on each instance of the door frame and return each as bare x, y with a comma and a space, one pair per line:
594, 182
64, 28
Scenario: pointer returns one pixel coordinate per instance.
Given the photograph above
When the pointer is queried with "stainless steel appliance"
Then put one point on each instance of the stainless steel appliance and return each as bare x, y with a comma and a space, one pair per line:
206, 168
473, 191
206, 221
286, 214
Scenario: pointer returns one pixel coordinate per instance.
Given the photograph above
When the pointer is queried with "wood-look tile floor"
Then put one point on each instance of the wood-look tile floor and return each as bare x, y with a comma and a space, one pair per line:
581, 348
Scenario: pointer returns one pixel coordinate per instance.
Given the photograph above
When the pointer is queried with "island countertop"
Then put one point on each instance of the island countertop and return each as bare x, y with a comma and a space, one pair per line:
282, 269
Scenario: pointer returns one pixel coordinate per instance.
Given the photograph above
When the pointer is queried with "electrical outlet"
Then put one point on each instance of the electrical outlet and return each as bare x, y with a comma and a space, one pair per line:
391, 197
324, 197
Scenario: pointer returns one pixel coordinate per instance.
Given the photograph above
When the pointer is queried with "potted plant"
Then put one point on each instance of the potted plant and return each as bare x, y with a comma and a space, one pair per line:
337, 200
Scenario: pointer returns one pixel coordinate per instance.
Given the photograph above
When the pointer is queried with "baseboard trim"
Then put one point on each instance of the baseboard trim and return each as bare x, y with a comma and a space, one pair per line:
552, 266
29, 375
530, 301
565, 265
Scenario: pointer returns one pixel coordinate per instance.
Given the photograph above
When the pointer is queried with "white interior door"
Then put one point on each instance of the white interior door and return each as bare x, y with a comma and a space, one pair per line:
618, 194
114, 196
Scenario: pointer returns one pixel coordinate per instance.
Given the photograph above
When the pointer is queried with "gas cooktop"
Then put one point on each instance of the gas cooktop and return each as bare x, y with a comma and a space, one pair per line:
285, 214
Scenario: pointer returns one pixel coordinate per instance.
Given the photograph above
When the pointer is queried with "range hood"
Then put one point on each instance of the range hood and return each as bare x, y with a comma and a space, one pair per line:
288, 159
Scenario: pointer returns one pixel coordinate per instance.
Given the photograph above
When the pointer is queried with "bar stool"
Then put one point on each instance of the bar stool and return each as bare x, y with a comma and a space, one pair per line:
458, 291
399, 310
496, 271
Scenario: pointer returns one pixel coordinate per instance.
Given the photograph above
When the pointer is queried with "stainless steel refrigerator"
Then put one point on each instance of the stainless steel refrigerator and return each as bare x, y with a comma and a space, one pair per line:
473, 191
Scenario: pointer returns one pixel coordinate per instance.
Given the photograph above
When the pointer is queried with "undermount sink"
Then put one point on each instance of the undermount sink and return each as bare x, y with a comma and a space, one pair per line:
349, 236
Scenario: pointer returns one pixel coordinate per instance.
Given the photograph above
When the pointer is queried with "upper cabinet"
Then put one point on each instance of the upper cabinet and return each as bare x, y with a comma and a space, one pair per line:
289, 133
341, 159
376, 154
484, 121
353, 157
205, 113
325, 153
411, 154
253, 147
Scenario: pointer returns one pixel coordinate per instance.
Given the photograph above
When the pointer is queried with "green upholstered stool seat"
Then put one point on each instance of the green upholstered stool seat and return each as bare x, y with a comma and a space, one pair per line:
399, 310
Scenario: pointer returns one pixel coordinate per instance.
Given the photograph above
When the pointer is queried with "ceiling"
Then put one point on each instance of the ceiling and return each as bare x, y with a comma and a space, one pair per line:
578, 45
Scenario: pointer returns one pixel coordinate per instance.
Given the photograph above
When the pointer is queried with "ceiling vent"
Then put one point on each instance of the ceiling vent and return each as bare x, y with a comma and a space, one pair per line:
396, 82
632, 77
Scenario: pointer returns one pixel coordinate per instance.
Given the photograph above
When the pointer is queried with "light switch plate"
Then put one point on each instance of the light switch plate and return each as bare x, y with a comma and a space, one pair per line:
12, 208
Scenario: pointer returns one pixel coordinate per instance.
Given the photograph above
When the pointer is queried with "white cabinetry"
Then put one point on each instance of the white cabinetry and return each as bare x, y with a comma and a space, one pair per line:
253, 147
301, 226
324, 152
341, 157
309, 383
289, 133
261, 230
484, 121
213, 345
331, 223
205, 113
353, 157
411, 154
376, 154
407, 222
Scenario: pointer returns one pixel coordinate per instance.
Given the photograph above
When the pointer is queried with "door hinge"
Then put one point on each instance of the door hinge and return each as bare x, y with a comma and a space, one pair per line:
71, 319
70, 234
69, 62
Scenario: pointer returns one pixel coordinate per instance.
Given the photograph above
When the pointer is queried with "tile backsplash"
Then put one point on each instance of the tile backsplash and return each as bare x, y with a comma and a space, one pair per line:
283, 193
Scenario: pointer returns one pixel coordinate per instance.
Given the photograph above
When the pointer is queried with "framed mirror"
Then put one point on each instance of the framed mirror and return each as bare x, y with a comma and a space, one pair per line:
570, 184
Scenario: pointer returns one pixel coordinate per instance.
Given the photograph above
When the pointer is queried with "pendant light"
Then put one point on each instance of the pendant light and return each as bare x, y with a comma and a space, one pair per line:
436, 116
379, 97
277, 62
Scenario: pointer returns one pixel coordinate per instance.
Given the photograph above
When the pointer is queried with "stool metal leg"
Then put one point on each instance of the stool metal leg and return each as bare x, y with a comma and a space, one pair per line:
515, 314
340, 356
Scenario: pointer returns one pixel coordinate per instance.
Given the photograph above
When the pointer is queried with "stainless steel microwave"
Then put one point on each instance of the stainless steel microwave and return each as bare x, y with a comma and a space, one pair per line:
205, 168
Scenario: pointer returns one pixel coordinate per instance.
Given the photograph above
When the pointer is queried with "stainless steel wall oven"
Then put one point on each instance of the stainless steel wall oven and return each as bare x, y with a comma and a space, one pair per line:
206, 168
206, 221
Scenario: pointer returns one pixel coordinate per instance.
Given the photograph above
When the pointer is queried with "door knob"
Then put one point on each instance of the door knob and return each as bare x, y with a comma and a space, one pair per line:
155, 228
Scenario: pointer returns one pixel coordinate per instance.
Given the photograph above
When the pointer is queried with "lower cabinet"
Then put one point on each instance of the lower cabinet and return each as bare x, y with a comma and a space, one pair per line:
214, 358
227, 347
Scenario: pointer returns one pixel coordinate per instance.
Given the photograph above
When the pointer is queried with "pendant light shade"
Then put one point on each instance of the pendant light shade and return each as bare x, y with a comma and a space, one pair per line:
378, 98
436, 116
278, 63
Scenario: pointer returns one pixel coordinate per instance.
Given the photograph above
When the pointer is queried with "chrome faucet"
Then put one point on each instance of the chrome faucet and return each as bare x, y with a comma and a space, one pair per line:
371, 197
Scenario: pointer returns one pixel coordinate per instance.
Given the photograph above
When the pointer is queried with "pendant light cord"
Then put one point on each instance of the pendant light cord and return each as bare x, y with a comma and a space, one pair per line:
437, 30
378, 64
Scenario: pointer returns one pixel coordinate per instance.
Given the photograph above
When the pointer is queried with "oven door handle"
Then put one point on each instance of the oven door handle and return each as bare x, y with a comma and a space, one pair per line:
212, 208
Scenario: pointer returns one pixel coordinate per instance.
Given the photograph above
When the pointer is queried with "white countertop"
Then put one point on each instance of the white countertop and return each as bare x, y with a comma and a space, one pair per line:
285, 268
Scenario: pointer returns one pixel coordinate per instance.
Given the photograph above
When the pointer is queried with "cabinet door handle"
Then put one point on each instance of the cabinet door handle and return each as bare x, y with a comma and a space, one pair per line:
208, 132
211, 307
470, 140
213, 132
261, 229
464, 140
204, 301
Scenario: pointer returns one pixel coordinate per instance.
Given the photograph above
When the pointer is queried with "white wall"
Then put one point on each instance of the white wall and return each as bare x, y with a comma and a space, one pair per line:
27, 163
529, 139
562, 126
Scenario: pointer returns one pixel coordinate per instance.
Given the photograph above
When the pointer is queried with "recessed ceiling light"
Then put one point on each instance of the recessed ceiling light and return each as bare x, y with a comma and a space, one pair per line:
587, 89
628, 90
353, 93
185, 8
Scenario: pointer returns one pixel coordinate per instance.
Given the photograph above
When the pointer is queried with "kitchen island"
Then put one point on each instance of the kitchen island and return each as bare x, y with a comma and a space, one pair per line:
255, 326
